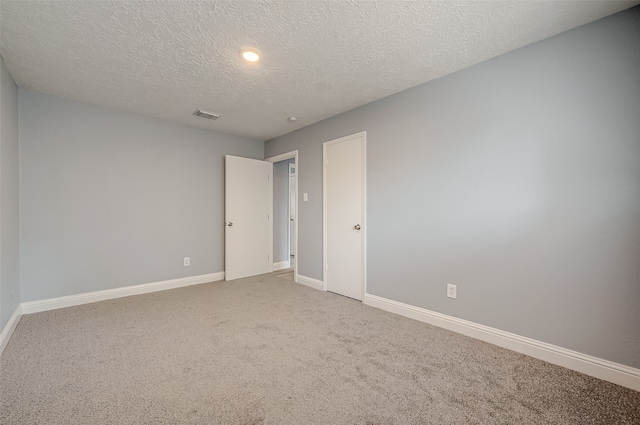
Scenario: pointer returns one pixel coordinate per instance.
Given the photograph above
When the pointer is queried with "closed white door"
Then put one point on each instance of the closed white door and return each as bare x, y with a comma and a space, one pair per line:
344, 215
248, 228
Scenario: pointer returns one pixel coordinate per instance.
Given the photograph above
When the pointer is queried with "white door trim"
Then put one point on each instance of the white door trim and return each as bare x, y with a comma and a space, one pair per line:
278, 158
362, 134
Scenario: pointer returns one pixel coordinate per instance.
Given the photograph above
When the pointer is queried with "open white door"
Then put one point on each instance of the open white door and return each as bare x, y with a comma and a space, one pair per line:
248, 188
344, 215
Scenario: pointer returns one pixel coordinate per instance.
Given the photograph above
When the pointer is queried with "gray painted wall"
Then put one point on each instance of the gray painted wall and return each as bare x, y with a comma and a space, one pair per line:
110, 198
280, 209
517, 179
9, 200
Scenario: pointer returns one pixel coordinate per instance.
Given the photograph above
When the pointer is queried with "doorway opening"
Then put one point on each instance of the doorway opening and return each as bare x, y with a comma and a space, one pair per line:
291, 213
285, 213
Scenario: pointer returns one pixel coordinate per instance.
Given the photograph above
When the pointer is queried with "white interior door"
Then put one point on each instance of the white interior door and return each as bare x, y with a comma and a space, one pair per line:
248, 228
292, 210
344, 215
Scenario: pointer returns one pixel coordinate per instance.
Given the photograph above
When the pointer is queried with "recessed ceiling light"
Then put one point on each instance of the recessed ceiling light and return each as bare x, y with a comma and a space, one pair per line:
251, 55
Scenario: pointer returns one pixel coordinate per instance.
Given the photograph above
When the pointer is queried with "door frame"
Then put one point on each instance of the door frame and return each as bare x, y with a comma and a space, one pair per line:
362, 134
278, 158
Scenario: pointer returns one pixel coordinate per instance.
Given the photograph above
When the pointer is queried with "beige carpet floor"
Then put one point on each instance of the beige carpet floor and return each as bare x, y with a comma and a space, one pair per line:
285, 274
264, 350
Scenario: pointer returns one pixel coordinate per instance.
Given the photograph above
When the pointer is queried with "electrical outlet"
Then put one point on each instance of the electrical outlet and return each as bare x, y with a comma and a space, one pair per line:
451, 290
187, 261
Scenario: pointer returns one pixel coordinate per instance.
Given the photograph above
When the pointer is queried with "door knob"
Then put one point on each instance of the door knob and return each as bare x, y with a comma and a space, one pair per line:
230, 224
357, 227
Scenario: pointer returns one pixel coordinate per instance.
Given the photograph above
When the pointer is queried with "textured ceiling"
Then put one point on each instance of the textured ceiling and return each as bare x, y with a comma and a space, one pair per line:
168, 58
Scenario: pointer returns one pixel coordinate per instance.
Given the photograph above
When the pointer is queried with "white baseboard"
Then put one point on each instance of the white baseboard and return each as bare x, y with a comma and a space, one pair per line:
311, 282
108, 294
10, 327
281, 265
599, 368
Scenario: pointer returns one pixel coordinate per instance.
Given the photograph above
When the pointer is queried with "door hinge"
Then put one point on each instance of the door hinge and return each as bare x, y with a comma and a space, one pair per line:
326, 162
326, 267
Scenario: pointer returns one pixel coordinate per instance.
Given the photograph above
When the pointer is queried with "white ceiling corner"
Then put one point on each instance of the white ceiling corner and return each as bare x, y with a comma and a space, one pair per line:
320, 58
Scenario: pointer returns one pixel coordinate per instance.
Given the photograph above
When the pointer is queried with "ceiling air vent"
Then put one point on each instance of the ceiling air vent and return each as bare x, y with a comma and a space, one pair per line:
206, 114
